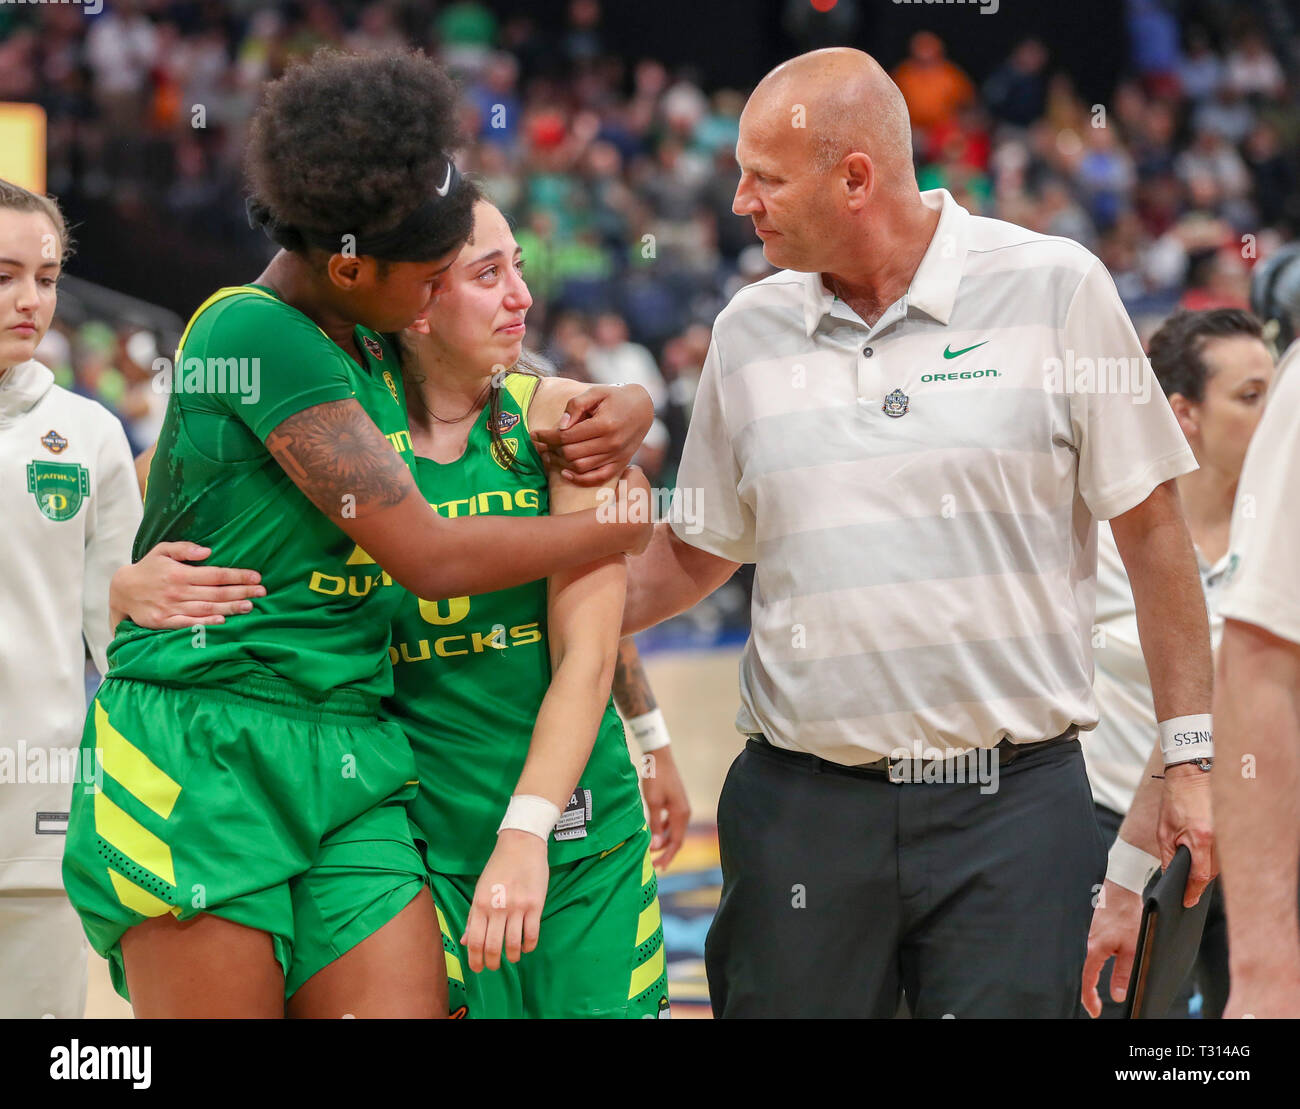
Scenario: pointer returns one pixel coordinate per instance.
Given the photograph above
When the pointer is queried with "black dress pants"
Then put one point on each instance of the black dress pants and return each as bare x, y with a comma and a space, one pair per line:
843, 888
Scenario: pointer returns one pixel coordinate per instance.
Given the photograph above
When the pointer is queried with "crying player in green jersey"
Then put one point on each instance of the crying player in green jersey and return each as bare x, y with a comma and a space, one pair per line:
505, 696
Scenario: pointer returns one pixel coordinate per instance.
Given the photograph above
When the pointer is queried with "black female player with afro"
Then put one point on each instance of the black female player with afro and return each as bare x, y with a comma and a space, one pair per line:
247, 851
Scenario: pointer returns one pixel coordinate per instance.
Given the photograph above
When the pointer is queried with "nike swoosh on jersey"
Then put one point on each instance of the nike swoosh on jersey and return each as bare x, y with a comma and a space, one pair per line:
948, 353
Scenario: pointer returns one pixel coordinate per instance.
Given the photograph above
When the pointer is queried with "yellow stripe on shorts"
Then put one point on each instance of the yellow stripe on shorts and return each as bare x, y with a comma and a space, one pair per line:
132, 838
647, 974
133, 897
453, 968
132, 769
648, 922
442, 922
647, 869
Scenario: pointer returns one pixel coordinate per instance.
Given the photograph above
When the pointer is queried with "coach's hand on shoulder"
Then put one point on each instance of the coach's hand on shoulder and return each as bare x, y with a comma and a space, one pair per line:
601, 429
1185, 819
506, 912
1114, 931
163, 591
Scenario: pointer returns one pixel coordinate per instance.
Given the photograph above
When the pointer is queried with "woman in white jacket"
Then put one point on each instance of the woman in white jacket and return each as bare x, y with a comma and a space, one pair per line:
70, 506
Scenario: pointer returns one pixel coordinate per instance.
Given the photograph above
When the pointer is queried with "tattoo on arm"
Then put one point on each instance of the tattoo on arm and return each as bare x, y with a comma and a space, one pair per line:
632, 691
334, 450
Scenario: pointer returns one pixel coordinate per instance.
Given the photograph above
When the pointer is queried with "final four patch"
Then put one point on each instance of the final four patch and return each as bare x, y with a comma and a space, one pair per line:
895, 404
58, 487
53, 442
374, 347
503, 423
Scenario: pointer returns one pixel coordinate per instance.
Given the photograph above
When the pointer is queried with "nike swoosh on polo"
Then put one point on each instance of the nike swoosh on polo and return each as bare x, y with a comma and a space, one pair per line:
948, 353
447, 185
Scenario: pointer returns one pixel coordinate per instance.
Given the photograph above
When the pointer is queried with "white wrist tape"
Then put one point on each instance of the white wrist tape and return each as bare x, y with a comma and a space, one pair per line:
1130, 866
529, 813
1187, 737
650, 731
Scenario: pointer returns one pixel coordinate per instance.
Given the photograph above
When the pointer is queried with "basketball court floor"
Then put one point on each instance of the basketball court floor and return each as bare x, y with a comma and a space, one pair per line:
697, 691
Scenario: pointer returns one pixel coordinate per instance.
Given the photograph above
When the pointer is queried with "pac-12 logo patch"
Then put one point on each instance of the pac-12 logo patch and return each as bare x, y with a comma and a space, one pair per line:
53, 442
503, 423
895, 404
374, 347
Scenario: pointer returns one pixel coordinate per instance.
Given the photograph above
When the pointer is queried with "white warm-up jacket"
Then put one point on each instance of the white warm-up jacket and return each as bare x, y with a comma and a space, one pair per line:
69, 510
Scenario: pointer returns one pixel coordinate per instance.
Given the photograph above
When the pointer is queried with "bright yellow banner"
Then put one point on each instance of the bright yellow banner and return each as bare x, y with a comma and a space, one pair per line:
22, 145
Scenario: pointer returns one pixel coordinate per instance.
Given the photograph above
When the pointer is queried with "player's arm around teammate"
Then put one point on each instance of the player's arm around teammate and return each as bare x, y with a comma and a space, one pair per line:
584, 610
600, 430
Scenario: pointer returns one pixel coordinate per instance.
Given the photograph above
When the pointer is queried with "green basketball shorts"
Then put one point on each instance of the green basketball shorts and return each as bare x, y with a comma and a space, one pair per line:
250, 803
600, 949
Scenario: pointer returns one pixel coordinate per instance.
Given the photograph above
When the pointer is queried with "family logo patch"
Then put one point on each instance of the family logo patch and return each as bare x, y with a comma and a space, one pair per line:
59, 487
392, 385
53, 442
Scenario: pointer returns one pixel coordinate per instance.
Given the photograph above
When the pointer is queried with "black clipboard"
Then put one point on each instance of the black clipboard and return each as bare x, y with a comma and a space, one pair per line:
1168, 940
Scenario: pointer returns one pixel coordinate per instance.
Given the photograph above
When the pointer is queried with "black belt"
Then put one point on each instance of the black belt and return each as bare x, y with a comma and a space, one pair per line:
903, 770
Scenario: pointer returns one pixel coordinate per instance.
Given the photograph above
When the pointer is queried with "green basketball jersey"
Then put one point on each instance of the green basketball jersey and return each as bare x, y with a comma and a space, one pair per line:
469, 675
246, 362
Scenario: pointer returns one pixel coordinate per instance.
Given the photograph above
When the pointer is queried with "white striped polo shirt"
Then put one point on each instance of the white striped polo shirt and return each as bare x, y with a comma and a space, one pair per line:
919, 497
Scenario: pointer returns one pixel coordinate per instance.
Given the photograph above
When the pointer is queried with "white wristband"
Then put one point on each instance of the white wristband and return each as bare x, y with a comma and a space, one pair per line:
1185, 738
1130, 866
529, 813
650, 731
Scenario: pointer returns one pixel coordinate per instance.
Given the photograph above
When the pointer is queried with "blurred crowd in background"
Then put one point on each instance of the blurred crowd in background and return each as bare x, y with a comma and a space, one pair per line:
619, 174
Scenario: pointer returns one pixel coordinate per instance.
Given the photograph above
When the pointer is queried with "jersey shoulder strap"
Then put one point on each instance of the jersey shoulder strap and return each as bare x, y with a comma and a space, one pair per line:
220, 295
520, 387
